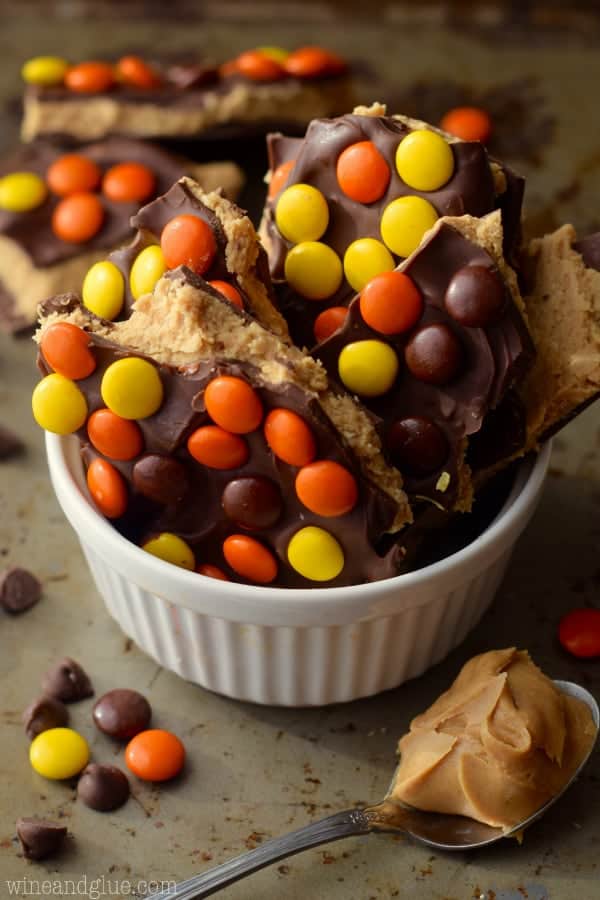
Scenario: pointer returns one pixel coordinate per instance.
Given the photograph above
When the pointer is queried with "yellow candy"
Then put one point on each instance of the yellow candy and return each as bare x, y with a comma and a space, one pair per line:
59, 753
302, 213
132, 388
148, 267
424, 160
368, 368
58, 405
364, 259
405, 221
104, 290
315, 554
22, 191
279, 54
314, 270
172, 549
44, 70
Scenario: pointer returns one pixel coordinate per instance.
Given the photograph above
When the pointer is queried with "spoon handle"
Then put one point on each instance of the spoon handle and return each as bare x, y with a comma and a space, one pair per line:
339, 825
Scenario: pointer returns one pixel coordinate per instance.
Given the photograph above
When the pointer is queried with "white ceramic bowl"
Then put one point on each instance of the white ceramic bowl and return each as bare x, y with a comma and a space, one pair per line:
293, 647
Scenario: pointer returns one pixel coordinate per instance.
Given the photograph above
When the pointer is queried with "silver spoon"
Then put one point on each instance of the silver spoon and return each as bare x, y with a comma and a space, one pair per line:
436, 830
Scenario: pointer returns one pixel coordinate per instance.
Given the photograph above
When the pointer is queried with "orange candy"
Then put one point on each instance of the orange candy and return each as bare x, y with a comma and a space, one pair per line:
250, 559
155, 755
71, 174
233, 404
217, 449
134, 71
90, 77
329, 321
362, 172
78, 218
188, 241
212, 572
280, 176
326, 488
107, 487
66, 349
470, 123
312, 62
258, 67
391, 303
289, 437
228, 290
113, 436
128, 182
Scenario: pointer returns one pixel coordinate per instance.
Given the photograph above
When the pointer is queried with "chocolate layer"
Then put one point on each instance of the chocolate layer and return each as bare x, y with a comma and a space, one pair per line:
589, 248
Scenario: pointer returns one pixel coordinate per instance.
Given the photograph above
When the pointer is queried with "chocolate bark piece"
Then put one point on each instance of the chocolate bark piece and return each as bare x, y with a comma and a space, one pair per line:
103, 788
122, 713
67, 681
478, 186
35, 263
10, 444
44, 713
19, 590
40, 838
451, 373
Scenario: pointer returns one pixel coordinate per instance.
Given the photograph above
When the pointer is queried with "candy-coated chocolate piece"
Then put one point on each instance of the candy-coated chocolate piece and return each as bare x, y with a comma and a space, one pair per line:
135, 71
475, 297
417, 445
103, 290
470, 123
212, 572
362, 172
172, 549
218, 449
149, 265
233, 404
368, 368
327, 488
103, 788
58, 405
59, 753
77, 218
424, 160
129, 182
434, 354
314, 270
188, 241
122, 713
132, 388
279, 54
328, 322
579, 633
155, 755
90, 77
250, 559
73, 173
364, 259
22, 191
253, 502
228, 291
114, 436
391, 303
405, 221
279, 177
45, 71
258, 66
289, 437
107, 488
66, 348
161, 478
315, 554
312, 62
302, 213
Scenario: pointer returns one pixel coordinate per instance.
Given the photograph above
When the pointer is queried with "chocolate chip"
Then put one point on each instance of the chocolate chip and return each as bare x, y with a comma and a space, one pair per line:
45, 713
475, 296
253, 502
67, 681
434, 354
122, 713
10, 444
19, 590
103, 787
417, 445
161, 478
40, 837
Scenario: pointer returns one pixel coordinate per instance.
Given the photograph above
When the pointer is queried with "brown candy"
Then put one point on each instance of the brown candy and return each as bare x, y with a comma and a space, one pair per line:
103, 787
160, 478
42, 714
434, 354
417, 445
122, 713
19, 590
475, 296
40, 837
67, 681
253, 503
